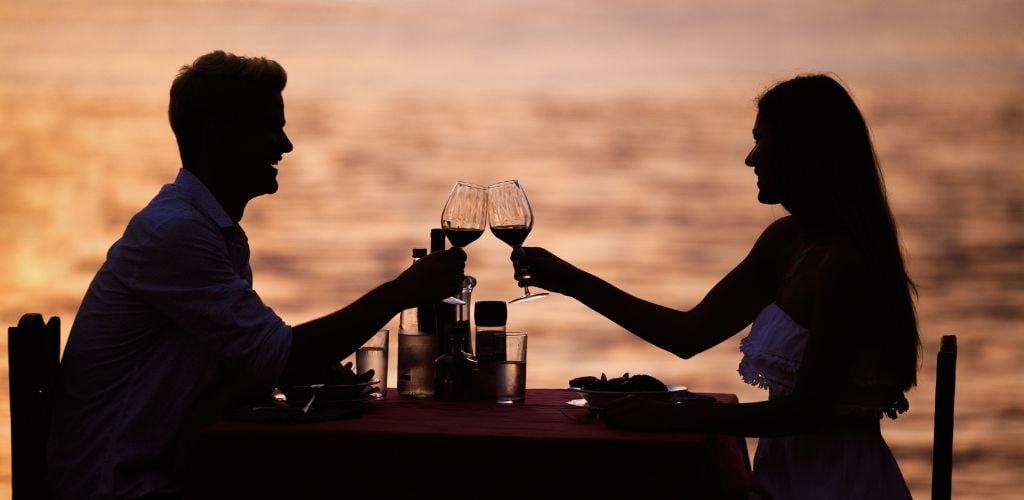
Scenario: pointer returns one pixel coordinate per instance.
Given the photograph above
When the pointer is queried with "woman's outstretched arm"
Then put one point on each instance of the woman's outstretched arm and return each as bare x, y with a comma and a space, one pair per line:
729, 307
835, 332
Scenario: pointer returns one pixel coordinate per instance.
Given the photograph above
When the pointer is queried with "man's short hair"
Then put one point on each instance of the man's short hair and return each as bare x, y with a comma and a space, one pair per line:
217, 87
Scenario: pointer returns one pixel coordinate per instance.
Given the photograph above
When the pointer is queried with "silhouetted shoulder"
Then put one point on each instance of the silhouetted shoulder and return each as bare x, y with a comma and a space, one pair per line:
777, 241
187, 227
785, 228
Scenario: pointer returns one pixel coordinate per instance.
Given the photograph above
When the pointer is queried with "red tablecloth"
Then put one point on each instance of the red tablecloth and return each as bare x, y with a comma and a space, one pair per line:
425, 448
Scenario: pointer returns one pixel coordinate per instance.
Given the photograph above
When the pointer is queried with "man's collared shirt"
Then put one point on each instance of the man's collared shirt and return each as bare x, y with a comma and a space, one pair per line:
170, 320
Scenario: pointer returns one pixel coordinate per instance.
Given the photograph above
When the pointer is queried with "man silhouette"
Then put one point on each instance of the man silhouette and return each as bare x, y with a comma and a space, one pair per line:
170, 332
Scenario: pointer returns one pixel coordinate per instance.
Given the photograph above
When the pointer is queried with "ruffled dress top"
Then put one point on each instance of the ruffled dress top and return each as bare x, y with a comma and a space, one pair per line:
833, 463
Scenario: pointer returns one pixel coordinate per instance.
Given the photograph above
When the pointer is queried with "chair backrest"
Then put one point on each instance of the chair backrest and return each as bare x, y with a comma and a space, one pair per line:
942, 446
33, 353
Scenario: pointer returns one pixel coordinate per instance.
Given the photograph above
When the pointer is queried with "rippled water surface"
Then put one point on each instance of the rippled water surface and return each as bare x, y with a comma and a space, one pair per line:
626, 122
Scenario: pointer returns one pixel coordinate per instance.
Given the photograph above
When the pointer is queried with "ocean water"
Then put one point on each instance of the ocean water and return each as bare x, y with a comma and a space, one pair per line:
627, 123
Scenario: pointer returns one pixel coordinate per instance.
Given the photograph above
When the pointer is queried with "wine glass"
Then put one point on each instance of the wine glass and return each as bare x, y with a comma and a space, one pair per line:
511, 218
464, 217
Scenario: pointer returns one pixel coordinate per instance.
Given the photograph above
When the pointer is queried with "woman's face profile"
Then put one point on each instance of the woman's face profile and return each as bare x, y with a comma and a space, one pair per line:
763, 159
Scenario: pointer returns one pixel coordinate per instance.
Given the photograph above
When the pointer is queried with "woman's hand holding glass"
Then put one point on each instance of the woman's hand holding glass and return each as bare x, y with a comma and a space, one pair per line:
511, 219
547, 270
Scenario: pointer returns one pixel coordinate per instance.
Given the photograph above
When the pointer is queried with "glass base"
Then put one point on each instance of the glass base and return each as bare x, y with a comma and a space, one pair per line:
527, 298
453, 301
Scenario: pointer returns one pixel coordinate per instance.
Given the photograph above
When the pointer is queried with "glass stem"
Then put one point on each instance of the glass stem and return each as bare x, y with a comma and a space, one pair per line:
524, 271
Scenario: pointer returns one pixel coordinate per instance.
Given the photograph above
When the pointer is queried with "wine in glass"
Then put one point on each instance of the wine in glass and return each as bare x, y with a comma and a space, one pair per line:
464, 217
511, 219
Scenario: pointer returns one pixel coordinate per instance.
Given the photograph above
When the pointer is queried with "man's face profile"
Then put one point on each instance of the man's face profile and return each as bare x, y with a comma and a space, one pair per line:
250, 144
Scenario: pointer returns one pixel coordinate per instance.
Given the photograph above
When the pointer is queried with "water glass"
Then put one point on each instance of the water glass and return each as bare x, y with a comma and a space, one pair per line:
510, 371
373, 355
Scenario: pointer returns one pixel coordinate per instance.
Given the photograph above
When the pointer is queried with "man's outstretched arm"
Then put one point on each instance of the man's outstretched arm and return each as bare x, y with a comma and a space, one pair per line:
326, 340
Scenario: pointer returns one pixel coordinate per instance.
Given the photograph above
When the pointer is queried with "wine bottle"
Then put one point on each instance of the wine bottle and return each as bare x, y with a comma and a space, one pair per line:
462, 311
437, 318
455, 369
417, 350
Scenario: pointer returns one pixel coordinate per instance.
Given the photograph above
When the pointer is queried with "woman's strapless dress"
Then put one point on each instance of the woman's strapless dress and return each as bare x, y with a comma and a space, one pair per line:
828, 464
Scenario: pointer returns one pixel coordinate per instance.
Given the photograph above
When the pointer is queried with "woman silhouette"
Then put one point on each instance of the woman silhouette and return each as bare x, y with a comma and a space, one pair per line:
834, 336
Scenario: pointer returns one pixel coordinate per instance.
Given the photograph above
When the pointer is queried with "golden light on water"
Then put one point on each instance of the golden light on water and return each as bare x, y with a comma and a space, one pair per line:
627, 123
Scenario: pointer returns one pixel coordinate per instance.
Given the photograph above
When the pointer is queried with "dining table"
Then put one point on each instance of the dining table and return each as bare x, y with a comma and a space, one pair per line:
399, 447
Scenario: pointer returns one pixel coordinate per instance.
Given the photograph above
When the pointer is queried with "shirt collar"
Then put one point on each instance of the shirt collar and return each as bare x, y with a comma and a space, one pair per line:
202, 198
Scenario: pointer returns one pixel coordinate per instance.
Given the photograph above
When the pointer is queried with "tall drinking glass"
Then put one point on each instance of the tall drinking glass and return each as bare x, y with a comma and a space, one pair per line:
511, 219
373, 355
464, 217
510, 371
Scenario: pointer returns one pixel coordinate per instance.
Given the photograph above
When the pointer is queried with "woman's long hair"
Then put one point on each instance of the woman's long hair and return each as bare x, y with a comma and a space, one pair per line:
829, 178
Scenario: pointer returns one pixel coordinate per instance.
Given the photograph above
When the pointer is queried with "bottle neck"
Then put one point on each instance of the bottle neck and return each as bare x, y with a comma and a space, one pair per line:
458, 334
408, 319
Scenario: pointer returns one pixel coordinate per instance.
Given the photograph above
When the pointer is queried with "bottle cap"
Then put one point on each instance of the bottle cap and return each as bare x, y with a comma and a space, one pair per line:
436, 240
491, 313
419, 253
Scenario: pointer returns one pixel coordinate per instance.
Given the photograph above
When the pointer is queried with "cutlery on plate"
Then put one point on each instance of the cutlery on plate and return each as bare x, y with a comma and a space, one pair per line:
316, 390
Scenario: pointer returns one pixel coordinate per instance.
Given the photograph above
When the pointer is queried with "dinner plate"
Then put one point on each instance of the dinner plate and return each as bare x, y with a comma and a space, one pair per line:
330, 394
599, 399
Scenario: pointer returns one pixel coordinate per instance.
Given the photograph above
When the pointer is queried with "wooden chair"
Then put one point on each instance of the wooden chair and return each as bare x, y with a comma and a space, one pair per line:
33, 352
942, 446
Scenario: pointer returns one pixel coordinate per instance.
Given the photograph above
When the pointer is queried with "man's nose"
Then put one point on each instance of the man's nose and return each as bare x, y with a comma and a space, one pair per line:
749, 160
288, 147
